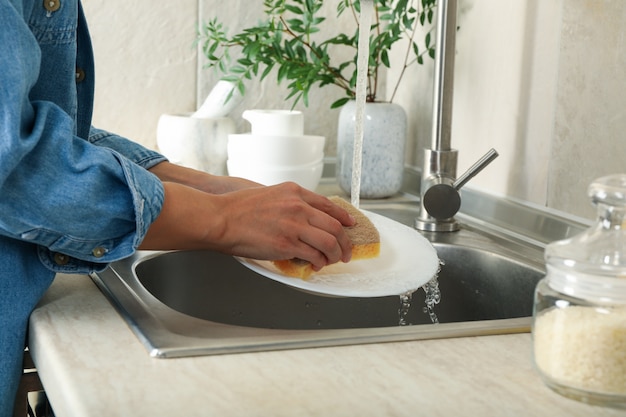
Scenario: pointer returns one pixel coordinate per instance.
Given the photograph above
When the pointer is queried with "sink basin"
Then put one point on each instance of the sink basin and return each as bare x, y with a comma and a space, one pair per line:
185, 303
475, 285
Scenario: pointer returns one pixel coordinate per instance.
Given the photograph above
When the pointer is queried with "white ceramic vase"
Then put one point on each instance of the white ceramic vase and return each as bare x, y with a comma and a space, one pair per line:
384, 141
194, 142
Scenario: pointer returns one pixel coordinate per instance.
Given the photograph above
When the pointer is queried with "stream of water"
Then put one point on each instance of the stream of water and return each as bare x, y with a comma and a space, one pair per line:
365, 22
433, 295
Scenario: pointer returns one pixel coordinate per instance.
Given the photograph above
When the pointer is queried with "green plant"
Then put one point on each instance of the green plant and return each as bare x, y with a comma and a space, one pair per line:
289, 40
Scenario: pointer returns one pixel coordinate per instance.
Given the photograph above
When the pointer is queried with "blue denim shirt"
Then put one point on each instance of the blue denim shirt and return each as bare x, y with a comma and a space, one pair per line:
72, 198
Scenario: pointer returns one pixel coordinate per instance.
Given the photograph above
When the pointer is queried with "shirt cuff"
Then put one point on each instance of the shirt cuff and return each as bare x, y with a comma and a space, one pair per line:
80, 256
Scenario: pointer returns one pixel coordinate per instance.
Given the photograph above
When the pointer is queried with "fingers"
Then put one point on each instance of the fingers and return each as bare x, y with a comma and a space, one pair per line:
324, 204
326, 238
285, 221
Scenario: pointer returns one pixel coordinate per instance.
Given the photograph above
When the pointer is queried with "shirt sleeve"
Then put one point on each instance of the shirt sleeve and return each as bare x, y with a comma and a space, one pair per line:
140, 155
83, 205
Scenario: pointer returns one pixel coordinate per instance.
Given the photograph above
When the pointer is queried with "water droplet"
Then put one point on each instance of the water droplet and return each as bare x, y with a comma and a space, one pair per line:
405, 306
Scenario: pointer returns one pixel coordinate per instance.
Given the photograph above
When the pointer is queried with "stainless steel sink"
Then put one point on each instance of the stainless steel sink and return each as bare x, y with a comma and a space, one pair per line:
199, 302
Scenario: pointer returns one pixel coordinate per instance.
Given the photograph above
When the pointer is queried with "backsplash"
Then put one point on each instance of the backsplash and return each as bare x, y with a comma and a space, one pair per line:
543, 82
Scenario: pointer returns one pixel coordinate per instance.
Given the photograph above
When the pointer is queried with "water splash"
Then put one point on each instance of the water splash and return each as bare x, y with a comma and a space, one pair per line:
433, 297
405, 306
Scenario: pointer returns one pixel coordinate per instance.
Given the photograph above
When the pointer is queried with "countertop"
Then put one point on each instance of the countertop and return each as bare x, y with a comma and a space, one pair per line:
91, 364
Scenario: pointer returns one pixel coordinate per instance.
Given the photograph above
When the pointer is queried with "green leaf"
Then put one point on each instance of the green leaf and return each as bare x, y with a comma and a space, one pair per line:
238, 69
268, 69
282, 73
296, 24
241, 87
339, 103
231, 78
294, 9
384, 57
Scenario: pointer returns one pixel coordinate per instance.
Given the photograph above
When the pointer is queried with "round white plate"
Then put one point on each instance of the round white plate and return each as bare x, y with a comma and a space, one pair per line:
407, 261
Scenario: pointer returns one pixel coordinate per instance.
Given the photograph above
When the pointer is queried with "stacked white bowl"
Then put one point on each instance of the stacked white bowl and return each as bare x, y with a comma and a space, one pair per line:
276, 150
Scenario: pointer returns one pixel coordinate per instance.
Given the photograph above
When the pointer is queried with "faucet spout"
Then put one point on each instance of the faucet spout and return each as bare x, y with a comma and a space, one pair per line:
444, 74
440, 198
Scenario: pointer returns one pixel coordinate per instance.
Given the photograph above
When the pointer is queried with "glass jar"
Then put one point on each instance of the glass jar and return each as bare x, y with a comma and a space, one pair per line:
579, 325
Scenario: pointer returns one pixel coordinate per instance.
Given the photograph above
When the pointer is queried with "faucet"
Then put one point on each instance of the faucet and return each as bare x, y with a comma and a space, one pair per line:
440, 199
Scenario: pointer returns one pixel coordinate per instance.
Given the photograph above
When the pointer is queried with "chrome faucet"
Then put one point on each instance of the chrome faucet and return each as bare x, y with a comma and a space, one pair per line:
440, 198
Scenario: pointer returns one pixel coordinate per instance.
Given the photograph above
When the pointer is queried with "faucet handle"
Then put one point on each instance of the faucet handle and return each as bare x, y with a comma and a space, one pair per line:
475, 169
442, 201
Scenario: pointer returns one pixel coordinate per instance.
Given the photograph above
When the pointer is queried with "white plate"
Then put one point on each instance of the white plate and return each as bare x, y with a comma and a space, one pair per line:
407, 261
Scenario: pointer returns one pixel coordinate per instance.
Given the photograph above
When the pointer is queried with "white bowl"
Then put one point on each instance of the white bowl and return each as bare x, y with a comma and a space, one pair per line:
307, 176
275, 150
275, 122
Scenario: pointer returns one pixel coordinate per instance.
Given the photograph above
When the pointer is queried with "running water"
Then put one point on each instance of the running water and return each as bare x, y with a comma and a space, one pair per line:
433, 295
365, 23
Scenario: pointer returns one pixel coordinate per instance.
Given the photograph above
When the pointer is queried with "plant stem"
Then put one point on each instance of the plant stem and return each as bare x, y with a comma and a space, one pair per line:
354, 13
374, 88
406, 57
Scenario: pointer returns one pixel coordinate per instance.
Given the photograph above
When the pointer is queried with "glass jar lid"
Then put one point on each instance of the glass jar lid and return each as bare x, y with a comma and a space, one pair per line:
593, 263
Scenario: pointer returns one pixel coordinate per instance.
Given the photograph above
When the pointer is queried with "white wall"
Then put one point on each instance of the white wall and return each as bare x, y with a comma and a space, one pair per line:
542, 81
590, 118
504, 93
145, 63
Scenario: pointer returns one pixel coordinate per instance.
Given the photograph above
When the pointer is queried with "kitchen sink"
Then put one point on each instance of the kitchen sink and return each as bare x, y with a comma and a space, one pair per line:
183, 303
216, 287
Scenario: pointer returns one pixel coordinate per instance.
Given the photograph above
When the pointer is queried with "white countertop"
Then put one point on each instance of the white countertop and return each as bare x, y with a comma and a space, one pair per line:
91, 364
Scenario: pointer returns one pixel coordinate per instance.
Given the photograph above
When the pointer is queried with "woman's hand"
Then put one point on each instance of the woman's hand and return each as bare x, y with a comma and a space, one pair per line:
278, 222
286, 221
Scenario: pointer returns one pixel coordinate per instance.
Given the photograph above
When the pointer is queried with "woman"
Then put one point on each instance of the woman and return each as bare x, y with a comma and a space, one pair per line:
74, 198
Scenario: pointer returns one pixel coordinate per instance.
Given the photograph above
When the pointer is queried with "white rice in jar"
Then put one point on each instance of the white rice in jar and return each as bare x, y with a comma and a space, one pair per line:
583, 347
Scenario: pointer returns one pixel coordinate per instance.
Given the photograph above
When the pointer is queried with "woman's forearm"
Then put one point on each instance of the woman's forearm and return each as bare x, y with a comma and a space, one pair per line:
214, 184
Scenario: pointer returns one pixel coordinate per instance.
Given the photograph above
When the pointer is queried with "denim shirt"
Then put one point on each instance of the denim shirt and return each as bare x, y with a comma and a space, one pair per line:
72, 198
57, 190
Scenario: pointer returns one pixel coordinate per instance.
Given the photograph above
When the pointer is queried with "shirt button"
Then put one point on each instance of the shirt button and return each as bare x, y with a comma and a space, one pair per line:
61, 259
99, 252
52, 5
80, 75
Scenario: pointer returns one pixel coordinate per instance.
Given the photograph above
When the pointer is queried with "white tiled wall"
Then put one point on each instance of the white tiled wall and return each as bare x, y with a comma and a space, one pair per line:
541, 81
